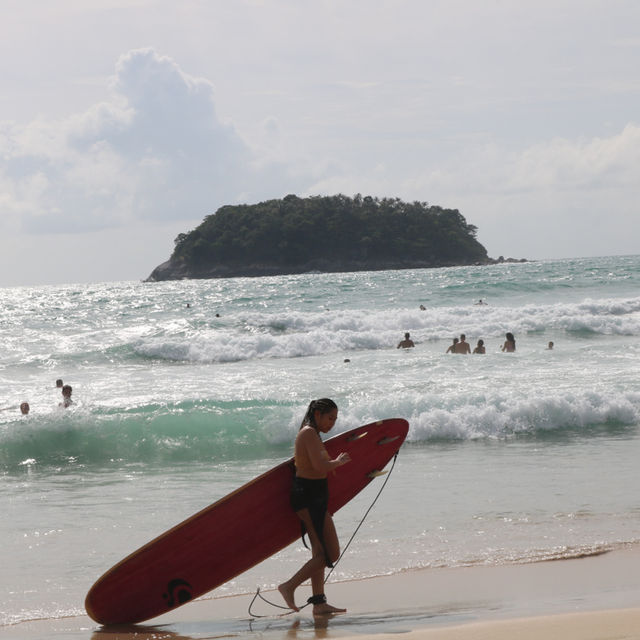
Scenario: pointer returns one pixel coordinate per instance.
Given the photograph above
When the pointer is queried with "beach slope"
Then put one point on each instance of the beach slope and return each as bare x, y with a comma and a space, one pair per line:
591, 598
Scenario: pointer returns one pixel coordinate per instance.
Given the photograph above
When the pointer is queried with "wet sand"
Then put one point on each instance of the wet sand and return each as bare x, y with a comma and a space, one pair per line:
592, 598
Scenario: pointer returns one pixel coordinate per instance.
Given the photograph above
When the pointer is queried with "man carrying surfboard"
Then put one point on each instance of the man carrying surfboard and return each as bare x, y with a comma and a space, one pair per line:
309, 499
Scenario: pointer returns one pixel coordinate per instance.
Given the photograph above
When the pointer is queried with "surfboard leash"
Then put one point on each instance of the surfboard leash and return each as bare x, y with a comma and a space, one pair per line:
257, 595
344, 550
364, 517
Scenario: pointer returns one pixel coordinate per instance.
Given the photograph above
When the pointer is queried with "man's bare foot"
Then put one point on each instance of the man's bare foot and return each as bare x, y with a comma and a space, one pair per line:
325, 609
287, 594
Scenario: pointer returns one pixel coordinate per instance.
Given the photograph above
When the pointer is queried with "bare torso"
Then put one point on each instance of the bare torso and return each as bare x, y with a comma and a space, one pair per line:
310, 456
462, 347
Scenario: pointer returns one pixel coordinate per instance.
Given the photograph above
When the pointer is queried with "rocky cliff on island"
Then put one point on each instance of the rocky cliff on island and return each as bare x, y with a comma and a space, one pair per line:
322, 233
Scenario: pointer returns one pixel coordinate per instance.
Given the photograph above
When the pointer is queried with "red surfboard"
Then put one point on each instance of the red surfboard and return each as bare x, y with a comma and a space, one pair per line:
233, 534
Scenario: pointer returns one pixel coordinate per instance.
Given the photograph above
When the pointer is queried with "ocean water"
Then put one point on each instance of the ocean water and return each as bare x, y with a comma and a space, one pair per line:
183, 391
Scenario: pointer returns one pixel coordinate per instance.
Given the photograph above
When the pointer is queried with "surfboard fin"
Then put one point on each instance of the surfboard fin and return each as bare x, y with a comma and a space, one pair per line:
388, 440
357, 436
376, 473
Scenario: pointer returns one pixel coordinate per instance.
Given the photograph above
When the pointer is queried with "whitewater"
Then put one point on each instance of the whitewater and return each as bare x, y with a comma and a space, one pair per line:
183, 391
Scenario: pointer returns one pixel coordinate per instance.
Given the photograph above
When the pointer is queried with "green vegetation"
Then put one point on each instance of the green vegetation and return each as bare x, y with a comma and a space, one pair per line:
333, 233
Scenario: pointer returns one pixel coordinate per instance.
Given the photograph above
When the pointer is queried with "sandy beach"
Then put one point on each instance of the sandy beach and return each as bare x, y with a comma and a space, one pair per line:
592, 598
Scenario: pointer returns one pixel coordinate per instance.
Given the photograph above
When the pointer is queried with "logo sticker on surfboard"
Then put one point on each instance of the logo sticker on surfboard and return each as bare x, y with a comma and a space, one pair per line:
178, 592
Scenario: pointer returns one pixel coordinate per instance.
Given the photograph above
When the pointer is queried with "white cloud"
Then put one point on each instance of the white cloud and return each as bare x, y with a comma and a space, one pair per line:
156, 151
584, 164
480, 167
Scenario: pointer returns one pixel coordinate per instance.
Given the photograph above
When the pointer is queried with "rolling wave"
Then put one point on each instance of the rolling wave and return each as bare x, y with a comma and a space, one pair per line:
206, 431
297, 334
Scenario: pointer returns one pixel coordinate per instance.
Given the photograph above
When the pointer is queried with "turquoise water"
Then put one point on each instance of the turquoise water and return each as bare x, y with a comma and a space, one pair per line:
510, 457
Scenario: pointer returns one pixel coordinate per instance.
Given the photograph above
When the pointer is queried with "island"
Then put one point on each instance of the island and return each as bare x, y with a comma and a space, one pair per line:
322, 234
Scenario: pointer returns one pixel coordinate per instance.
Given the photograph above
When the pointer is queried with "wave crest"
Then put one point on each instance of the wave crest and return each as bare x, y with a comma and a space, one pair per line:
206, 431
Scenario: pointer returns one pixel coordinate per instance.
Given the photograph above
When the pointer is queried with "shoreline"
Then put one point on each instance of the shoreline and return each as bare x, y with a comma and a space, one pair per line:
592, 598
170, 272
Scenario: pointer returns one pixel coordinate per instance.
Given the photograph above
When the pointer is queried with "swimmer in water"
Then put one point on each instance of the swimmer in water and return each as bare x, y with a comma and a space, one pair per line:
509, 344
407, 343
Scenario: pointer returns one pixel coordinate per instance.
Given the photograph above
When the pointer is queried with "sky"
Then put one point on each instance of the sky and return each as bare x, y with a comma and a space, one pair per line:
125, 122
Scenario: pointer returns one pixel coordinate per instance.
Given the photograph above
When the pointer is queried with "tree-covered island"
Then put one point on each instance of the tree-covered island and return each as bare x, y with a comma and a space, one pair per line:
322, 233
